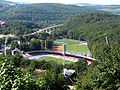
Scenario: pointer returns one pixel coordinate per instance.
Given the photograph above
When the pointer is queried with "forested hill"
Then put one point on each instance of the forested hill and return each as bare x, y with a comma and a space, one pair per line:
93, 28
45, 13
19, 28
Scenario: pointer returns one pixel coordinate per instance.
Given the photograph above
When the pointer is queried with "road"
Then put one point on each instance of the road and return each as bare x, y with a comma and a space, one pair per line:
9, 35
40, 30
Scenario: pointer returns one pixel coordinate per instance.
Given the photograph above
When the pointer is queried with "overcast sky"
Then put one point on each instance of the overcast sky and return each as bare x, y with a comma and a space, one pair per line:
71, 1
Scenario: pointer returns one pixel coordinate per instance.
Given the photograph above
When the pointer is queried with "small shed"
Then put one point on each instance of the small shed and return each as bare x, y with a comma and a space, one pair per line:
69, 74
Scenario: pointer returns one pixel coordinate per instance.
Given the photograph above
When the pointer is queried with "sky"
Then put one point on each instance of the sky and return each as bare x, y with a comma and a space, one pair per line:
104, 2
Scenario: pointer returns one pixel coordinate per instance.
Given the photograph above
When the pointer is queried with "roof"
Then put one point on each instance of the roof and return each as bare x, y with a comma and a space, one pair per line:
2, 22
39, 70
68, 72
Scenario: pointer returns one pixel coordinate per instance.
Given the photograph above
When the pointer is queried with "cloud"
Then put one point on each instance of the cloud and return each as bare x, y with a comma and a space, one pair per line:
71, 1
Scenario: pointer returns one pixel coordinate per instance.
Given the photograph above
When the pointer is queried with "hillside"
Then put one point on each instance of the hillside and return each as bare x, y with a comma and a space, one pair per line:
115, 9
18, 28
45, 13
18, 72
93, 28
110, 8
49, 13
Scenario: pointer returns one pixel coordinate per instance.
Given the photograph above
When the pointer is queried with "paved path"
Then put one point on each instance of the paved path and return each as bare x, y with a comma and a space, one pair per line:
9, 35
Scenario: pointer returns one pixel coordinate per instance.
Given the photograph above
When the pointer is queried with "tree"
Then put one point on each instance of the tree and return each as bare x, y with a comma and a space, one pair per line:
12, 78
106, 74
54, 81
109, 67
35, 44
14, 45
16, 59
49, 44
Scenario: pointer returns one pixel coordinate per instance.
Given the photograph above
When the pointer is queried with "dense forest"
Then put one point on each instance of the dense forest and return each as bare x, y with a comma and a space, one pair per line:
19, 28
44, 13
93, 28
101, 74
19, 73
115, 9
41, 41
48, 13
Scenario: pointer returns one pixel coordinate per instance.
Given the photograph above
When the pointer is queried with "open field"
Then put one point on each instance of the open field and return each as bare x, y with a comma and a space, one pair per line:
59, 61
110, 10
77, 48
68, 41
73, 45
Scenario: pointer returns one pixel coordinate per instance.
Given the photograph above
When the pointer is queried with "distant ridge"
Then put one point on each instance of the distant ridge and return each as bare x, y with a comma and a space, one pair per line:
43, 13
12, 2
6, 2
86, 4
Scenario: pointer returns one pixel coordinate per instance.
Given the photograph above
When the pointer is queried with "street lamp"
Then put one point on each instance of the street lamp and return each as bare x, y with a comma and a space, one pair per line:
107, 41
53, 39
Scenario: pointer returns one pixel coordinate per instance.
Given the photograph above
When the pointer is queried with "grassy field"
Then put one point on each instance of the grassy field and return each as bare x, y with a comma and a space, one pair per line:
68, 41
77, 48
72, 45
110, 10
59, 61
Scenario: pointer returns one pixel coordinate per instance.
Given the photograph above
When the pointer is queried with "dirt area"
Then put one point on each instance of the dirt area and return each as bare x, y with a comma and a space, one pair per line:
83, 44
9, 35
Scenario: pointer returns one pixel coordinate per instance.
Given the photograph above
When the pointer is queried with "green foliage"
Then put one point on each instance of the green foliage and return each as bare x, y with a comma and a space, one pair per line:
44, 13
79, 66
35, 44
11, 78
39, 41
1, 42
85, 78
16, 60
49, 13
55, 81
109, 75
93, 28
104, 75
14, 44
18, 28
111, 9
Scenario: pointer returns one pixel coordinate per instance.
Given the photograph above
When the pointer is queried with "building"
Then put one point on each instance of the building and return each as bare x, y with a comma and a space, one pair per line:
2, 22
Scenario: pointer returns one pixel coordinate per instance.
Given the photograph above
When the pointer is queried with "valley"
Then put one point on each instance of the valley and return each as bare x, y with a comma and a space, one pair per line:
54, 46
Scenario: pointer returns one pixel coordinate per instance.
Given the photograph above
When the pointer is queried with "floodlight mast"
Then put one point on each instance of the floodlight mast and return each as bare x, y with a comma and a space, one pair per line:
5, 46
53, 39
107, 41
64, 50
